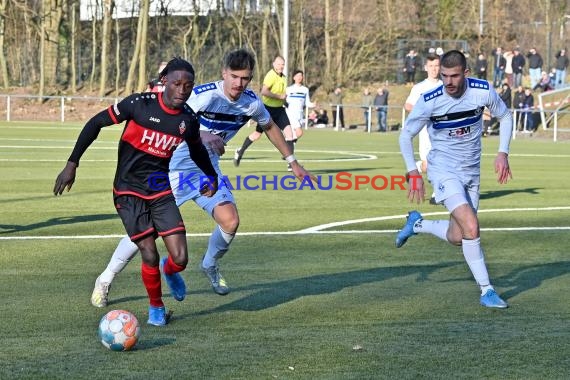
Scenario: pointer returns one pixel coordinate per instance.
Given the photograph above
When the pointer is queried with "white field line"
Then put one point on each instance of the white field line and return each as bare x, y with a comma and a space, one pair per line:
319, 229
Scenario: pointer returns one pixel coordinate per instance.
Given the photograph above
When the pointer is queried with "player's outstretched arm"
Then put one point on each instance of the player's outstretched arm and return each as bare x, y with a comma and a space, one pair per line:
276, 137
88, 134
65, 179
502, 168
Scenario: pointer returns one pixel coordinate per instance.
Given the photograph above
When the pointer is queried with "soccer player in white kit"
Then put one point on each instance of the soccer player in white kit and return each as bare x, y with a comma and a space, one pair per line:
297, 100
223, 107
453, 113
432, 81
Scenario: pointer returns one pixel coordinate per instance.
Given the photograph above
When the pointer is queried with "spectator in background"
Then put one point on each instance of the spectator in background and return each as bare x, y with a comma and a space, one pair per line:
335, 99
518, 97
561, 66
545, 83
499, 63
518, 66
527, 106
505, 95
156, 85
534, 66
481, 66
509, 67
367, 104
410, 64
381, 106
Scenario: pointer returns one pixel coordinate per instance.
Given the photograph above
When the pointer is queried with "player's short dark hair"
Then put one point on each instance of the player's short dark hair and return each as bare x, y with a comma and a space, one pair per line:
454, 58
177, 63
239, 59
297, 72
432, 57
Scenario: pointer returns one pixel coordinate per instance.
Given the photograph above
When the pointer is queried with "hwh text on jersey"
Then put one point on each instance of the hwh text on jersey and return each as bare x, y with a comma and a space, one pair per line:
165, 143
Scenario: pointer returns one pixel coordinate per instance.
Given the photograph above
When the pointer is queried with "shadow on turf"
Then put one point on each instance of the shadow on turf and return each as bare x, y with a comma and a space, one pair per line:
272, 294
503, 193
55, 221
529, 277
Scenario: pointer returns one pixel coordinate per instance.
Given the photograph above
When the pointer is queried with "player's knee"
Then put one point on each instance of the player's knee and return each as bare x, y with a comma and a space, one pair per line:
454, 238
179, 256
230, 224
471, 230
149, 253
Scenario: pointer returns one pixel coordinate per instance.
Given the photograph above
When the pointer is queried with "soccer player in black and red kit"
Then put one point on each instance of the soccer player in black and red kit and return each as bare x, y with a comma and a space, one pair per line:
156, 123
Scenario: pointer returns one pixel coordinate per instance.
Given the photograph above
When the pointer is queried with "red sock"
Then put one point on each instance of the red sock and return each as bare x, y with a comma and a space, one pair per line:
171, 267
151, 281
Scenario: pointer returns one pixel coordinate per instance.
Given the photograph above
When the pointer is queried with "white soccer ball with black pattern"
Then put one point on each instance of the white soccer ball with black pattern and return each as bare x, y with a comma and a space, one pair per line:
119, 330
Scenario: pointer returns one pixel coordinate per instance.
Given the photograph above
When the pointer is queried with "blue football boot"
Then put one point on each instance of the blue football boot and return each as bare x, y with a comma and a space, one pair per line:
175, 282
408, 230
492, 299
157, 316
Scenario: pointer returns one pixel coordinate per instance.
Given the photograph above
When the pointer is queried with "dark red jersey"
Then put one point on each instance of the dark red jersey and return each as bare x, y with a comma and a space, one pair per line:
151, 134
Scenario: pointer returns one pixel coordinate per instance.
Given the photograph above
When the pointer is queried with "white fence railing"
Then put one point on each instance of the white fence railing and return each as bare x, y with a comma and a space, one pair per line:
81, 108
51, 108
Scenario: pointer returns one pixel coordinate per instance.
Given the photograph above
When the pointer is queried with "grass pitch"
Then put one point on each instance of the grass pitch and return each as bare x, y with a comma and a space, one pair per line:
319, 291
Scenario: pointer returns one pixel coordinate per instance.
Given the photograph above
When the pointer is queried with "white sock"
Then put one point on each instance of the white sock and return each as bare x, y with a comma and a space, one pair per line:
435, 227
218, 245
124, 252
476, 260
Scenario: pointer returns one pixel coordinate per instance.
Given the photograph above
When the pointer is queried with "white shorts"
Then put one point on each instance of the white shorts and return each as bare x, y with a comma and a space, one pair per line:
446, 186
424, 144
296, 120
186, 186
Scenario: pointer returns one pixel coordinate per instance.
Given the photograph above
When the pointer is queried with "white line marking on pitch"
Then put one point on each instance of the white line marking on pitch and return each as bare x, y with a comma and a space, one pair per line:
318, 229
390, 217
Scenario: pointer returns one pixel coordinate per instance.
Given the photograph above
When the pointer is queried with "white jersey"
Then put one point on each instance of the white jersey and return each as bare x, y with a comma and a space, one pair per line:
220, 116
297, 100
424, 145
455, 127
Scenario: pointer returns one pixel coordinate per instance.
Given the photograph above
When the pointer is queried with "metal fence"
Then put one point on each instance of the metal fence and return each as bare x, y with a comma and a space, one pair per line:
81, 108
51, 108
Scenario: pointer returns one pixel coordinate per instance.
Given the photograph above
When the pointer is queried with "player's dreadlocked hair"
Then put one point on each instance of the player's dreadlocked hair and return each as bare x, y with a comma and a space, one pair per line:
177, 63
240, 59
454, 58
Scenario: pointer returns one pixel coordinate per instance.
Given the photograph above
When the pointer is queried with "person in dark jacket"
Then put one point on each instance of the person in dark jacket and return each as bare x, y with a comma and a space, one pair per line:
518, 66
481, 66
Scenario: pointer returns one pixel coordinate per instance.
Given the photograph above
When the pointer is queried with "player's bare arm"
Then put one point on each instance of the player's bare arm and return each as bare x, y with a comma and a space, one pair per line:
276, 137
266, 91
502, 168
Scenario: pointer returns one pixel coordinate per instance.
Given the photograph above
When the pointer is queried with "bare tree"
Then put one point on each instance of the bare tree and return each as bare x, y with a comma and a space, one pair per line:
105, 39
3, 66
143, 15
117, 56
73, 31
129, 86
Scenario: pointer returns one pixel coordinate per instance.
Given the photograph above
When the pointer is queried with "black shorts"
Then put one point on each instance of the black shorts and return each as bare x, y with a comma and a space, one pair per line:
144, 217
278, 115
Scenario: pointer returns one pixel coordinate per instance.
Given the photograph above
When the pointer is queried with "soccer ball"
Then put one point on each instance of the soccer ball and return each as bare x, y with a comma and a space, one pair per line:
119, 330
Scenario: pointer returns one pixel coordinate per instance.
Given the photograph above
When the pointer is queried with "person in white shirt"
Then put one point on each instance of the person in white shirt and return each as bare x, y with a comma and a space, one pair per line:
453, 113
432, 81
296, 102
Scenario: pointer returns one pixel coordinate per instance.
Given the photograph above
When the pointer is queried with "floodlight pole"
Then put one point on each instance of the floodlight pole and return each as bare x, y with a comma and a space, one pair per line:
285, 37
